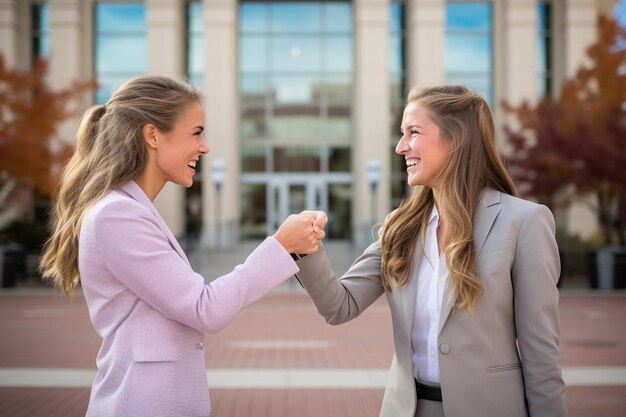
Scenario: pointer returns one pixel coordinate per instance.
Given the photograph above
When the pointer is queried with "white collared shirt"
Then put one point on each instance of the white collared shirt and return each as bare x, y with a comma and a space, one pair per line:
431, 280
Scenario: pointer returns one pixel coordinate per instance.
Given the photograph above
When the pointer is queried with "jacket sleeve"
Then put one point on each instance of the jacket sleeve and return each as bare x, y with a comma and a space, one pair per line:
339, 301
138, 254
536, 297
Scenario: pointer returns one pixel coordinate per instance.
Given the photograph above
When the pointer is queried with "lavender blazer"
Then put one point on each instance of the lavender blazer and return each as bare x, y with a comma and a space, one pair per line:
152, 310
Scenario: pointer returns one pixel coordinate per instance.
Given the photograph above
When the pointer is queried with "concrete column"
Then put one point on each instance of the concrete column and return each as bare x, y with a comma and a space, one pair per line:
518, 30
574, 31
14, 33
514, 72
165, 23
372, 114
221, 212
425, 34
70, 53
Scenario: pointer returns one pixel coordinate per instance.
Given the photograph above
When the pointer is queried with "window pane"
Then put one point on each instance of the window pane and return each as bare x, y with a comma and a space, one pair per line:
253, 210
296, 159
339, 207
253, 17
253, 159
469, 54
468, 16
290, 17
296, 53
339, 160
194, 16
120, 45
127, 17
338, 17
338, 54
252, 54
121, 54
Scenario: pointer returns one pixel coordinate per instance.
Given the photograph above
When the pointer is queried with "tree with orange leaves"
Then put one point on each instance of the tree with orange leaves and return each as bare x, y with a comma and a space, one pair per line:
30, 114
575, 144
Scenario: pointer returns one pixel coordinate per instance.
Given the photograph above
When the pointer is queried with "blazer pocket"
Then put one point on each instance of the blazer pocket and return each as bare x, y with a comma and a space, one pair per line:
156, 341
496, 246
504, 368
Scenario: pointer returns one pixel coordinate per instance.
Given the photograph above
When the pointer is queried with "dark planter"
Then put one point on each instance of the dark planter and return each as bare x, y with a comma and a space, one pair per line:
607, 267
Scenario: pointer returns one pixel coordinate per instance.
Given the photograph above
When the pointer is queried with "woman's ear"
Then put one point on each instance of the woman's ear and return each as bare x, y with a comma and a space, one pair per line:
150, 135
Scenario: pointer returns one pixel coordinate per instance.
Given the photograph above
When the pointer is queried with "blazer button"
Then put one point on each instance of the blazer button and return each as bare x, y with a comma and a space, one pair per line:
200, 345
444, 348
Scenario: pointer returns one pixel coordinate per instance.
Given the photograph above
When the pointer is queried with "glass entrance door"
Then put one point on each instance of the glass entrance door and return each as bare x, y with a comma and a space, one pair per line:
290, 197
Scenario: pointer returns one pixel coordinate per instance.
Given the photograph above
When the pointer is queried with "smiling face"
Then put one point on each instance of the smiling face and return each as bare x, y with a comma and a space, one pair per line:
179, 150
424, 151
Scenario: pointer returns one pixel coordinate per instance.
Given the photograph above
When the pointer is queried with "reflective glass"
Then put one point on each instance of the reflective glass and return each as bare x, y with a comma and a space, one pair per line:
296, 17
468, 54
253, 210
194, 17
396, 64
40, 30
296, 54
196, 57
481, 84
395, 17
253, 159
339, 160
121, 54
252, 53
338, 53
120, 45
294, 89
253, 17
296, 159
468, 16
120, 17
337, 17
339, 209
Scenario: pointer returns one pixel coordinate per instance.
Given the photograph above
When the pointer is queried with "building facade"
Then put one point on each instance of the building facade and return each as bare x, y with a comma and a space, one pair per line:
303, 99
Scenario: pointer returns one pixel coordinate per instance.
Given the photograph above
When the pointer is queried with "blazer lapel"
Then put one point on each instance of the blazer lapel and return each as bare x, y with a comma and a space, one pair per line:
134, 191
409, 292
486, 213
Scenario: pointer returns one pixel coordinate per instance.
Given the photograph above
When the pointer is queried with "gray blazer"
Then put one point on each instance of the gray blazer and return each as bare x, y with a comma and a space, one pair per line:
502, 361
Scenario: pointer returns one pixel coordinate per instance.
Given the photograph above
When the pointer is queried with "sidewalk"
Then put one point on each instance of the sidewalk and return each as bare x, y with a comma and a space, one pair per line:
278, 358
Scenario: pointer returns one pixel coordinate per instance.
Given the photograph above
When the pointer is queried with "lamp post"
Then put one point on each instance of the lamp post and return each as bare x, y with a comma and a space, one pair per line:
373, 177
218, 172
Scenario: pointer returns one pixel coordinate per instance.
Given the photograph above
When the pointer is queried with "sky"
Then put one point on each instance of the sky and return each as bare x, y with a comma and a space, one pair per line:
620, 12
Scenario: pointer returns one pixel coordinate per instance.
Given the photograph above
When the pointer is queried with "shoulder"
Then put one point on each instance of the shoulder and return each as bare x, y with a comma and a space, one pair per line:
514, 205
115, 205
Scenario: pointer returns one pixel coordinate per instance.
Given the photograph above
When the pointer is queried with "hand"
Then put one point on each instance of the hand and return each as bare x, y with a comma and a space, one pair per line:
302, 233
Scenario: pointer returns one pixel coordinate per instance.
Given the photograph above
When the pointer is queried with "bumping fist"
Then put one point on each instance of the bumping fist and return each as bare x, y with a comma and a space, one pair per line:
303, 232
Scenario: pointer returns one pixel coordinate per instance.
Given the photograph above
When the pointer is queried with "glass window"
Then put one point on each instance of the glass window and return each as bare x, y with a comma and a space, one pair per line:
120, 45
339, 209
468, 46
254, 210
296, 17
296, 159
40, 30
195, 55
544, 50
397, 78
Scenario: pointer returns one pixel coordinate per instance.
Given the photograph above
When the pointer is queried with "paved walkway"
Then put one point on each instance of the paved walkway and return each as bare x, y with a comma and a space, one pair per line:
278, 357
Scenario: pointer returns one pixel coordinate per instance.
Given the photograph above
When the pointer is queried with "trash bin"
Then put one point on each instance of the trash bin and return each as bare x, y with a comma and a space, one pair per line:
607, 267
12, 264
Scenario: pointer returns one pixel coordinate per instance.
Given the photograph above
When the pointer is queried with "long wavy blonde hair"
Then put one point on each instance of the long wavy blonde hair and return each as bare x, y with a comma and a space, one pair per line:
465, 121
110, 151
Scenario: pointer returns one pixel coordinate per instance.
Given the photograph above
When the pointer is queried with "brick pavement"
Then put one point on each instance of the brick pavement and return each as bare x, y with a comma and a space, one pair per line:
283, 331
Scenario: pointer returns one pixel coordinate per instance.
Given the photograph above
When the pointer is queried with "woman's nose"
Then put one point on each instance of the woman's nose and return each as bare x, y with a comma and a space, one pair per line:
401, 147
204, 149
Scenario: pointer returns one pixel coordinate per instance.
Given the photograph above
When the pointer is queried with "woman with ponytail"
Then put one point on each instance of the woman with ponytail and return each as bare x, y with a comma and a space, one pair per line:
150, 308
469, 271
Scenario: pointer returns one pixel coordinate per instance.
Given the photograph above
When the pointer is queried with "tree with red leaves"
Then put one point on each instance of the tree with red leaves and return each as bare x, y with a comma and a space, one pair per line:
575, 144
30, 114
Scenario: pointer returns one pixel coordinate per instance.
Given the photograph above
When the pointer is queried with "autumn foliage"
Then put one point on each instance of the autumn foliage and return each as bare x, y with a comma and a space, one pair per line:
30, 114
574, 144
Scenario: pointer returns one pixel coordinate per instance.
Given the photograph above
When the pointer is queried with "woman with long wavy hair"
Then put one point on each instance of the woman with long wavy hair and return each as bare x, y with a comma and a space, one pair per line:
150, 308
469, 271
